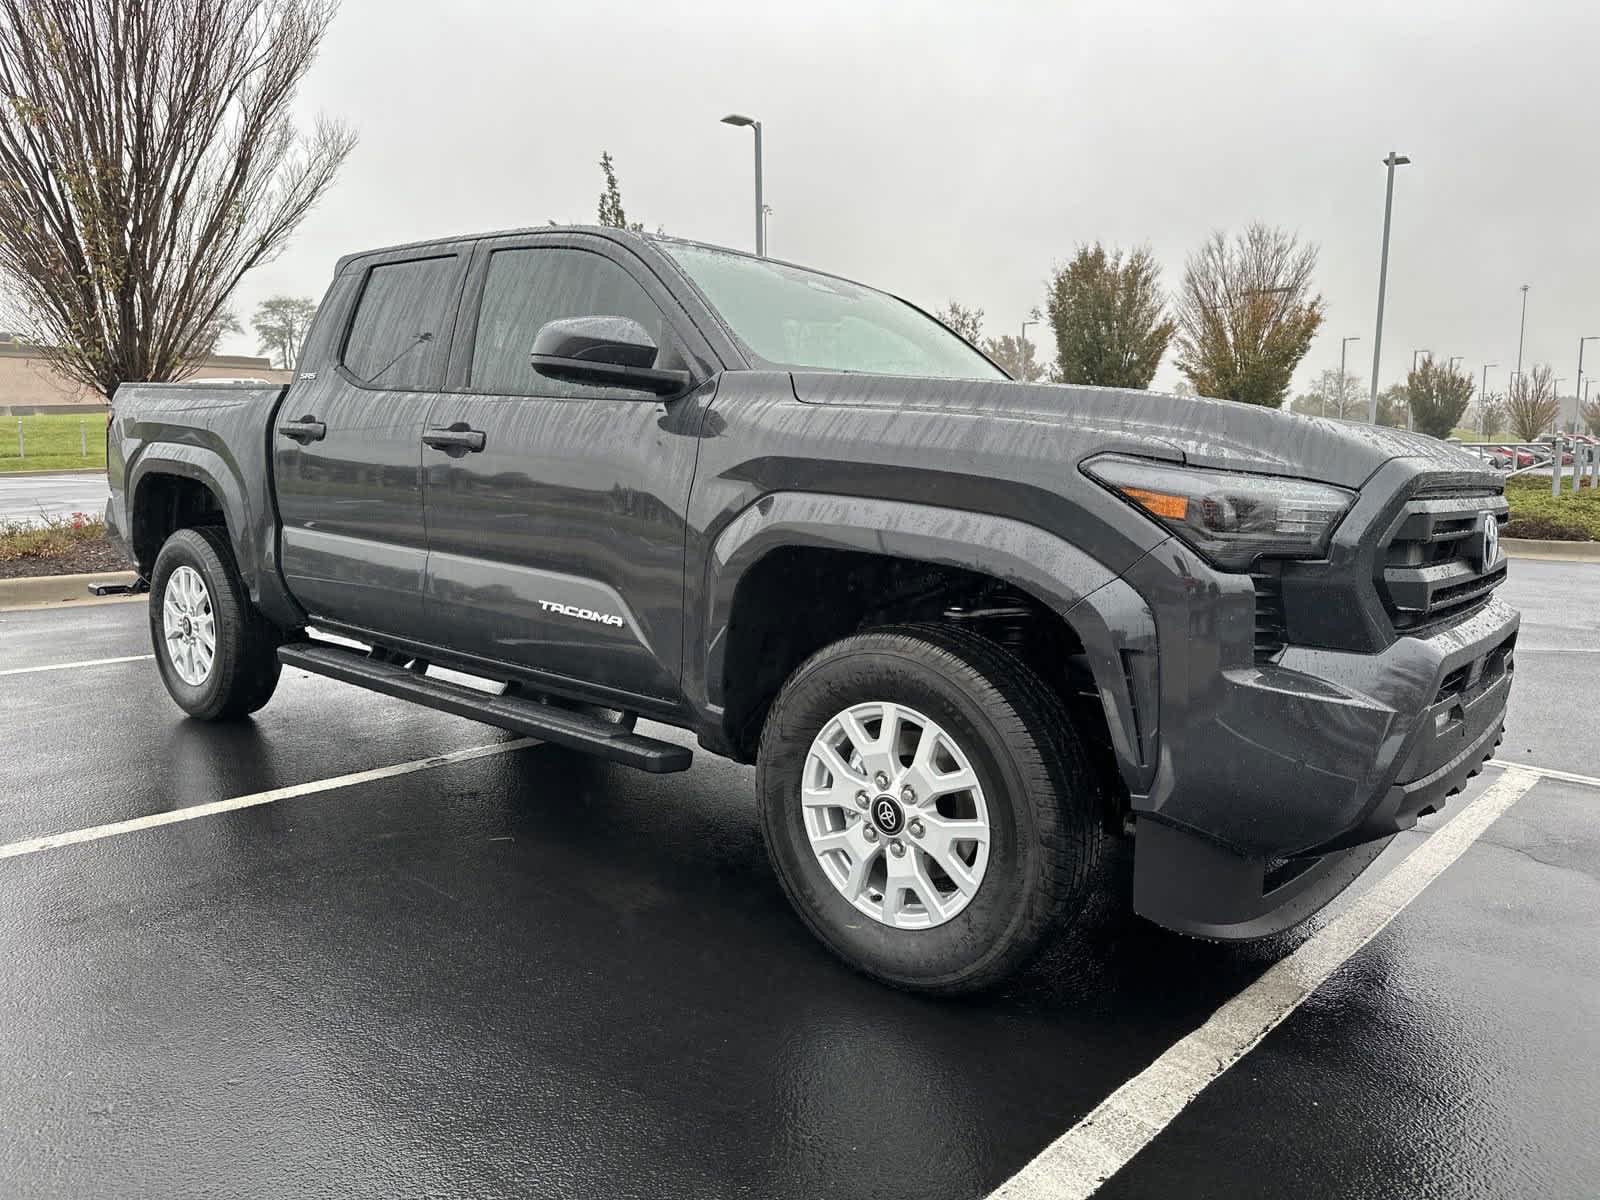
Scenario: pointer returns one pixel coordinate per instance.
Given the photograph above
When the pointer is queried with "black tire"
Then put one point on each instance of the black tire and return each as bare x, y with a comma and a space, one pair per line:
1044, 802
245, 668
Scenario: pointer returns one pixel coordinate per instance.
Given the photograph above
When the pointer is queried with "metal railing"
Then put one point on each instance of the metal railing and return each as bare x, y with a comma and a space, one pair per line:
1508, 456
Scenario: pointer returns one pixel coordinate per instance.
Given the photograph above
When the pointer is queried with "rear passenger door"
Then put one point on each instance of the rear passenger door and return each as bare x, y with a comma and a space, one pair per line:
558, 547
347, 440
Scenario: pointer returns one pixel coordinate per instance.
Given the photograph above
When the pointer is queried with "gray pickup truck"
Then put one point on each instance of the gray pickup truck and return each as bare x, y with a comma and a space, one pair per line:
968, 629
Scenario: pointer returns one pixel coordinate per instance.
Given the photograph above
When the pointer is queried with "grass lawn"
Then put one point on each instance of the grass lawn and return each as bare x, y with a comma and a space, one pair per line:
53, 441
1535, 513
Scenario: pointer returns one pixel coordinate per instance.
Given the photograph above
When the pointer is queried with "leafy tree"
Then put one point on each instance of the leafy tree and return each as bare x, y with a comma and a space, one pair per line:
1247, 315
281, 324
1327, 399
1016, 356
1531, 405
611, 212
224, 323
1489, 416
1109, 318
1394, 406
965, 322
1438, 395
1185, 389
148, 161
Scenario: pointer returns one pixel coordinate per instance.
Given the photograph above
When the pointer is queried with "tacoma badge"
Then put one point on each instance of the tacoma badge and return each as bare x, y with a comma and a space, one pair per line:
585, 614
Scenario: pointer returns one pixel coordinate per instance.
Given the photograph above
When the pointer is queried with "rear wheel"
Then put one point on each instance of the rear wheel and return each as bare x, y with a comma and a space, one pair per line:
927, 806
217, 655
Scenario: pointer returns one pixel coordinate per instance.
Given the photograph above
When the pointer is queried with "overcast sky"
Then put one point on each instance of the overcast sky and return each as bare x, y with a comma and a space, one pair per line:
960, 150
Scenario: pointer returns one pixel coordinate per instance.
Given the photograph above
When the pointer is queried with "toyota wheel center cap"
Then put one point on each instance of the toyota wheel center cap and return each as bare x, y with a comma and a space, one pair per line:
888, 816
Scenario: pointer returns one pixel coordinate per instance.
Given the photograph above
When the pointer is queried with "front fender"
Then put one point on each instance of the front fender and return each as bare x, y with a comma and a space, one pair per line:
1053, 571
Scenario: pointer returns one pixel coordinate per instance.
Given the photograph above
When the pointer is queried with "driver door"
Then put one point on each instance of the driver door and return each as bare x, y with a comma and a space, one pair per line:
556, 540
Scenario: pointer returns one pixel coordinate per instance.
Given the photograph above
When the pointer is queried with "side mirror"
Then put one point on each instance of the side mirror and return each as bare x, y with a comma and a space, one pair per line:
603, 351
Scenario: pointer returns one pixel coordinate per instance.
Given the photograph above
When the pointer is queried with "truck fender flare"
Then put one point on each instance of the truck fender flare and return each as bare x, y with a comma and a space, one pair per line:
1108, 616
205, 466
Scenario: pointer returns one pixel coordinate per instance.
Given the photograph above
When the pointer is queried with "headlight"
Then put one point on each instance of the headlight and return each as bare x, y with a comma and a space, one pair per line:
1231, 519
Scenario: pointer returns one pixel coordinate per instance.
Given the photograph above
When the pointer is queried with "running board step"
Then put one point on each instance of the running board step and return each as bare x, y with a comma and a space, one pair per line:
555, 725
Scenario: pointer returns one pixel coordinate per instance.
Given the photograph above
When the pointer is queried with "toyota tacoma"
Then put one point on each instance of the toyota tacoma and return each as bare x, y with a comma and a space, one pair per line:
968, 630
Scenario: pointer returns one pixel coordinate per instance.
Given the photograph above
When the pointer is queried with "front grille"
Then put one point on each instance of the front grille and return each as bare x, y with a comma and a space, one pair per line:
1431, 567
1271, 629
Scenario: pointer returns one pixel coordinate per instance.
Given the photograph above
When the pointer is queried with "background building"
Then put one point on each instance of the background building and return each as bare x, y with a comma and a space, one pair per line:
30, 383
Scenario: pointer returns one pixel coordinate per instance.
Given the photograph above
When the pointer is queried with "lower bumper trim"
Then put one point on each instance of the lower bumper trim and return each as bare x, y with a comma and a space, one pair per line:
1194, 886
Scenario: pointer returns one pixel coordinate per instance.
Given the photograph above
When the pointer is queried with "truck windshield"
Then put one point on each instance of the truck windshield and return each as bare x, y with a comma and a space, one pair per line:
796, 318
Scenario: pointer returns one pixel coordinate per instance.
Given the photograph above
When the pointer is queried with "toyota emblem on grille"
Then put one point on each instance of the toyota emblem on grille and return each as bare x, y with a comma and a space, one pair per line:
1491, 541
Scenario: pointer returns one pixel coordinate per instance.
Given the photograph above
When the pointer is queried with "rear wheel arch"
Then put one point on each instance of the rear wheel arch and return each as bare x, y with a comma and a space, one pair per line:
165, 496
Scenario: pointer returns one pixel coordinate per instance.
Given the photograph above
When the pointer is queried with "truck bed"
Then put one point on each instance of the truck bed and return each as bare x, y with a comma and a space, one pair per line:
214, 433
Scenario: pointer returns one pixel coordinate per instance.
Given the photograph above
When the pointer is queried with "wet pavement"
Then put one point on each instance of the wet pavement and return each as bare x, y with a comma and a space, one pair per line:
531, 974
30, 497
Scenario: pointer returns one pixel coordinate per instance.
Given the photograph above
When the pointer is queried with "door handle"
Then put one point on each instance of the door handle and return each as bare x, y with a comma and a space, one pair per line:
456, 440
304, 430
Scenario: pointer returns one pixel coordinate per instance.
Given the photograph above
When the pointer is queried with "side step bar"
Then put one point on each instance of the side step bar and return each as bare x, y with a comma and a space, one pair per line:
545, 722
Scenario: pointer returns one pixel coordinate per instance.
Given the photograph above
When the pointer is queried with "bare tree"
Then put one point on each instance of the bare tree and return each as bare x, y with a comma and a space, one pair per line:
1246, 314
1329, 397
1589, 410
147, 162
1531, 405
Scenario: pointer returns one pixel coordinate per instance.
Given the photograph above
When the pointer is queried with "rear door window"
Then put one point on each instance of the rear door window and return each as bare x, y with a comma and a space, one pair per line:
396, 336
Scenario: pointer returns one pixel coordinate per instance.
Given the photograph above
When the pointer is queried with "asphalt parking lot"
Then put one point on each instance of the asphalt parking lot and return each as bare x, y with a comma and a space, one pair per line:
29, 497
515, 972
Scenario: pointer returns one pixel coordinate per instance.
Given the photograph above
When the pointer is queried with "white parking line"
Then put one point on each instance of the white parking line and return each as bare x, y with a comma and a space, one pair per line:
193, 813
83, 662
1547, 772
1077, 1163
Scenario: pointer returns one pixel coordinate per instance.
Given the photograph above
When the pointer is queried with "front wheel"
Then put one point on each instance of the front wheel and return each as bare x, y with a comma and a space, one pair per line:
217, 655
927, 806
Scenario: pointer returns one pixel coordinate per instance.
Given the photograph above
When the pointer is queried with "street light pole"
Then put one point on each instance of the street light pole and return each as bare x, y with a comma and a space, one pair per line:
1523, 328
1394, 160
761, 208
1578, 383
1555, 444
1343, 345
1483, 393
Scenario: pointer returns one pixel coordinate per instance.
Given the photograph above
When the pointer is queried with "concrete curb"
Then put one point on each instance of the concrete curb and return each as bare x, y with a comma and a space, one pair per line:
33, 590
1551, 551
47, 471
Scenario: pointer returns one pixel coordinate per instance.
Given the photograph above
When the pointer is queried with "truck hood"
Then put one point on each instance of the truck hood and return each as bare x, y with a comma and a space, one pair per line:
1200, 432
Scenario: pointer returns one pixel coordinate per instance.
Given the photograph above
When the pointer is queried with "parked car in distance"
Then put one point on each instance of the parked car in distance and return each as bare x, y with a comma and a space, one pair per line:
967, 629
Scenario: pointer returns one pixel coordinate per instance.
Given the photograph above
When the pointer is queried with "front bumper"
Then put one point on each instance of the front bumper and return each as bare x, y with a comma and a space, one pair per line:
1267, 787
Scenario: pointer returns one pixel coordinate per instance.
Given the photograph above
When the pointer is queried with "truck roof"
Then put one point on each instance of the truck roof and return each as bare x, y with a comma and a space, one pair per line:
605, 231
